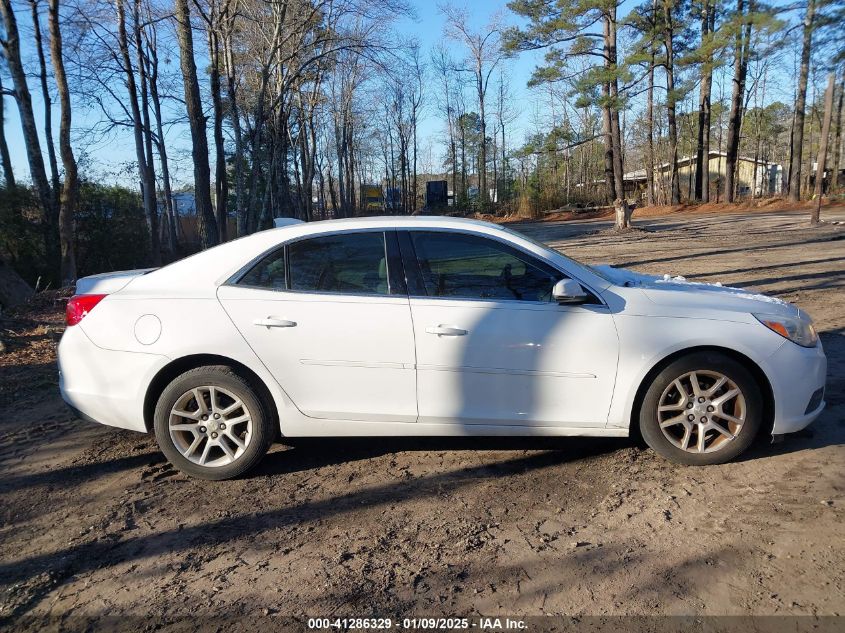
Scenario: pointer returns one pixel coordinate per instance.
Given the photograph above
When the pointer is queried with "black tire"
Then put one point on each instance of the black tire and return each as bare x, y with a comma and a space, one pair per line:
262, 433
703, 362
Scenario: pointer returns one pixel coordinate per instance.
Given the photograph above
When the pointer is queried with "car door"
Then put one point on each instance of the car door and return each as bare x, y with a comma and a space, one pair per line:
493, 347
329, 317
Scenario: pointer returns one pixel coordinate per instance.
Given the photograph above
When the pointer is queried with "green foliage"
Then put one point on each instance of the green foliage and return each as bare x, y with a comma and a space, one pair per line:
21, 233
571, 31
111, 231
110, 228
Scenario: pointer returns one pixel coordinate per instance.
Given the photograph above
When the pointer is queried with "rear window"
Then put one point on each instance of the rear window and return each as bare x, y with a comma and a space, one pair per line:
351, 263
268, 273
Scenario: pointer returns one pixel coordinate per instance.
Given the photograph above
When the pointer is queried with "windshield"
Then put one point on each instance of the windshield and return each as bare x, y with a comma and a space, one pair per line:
554, 253
548, 249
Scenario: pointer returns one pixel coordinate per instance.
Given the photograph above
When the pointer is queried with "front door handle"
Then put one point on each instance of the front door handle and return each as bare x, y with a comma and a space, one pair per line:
445, 330
274, 322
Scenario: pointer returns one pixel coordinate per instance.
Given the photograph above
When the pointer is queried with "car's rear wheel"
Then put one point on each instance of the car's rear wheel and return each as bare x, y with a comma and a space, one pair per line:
703, 408
211, 424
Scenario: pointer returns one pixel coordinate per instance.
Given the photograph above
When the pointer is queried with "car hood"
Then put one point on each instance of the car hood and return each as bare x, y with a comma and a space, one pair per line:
679, 295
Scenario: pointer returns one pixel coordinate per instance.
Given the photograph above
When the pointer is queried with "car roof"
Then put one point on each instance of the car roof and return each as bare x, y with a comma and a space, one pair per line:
389, 221
200, 274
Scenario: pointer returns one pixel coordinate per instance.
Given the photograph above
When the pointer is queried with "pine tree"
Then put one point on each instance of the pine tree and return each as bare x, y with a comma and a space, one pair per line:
568, 30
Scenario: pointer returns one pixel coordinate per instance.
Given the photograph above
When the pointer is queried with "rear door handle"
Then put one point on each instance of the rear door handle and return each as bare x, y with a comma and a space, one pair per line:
445, 330
274, 322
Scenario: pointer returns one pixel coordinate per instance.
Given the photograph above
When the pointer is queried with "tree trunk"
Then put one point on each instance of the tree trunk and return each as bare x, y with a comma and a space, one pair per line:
48, 103
148, 195
453, 147
742, 45
38, 173
702, 152
504, 164
823, 142
649, 168
797, 142
70, 189
758, 145
221, 188
414, 180
837, 143
5, 157
206, 221
463, 163
161, 147
670, 101
332, 193
615, 128
623, 213
607, 126
482, 169
148, 174
234, 116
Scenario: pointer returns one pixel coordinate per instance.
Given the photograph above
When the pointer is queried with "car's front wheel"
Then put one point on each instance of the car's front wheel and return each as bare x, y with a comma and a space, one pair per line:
211, 424
703, 408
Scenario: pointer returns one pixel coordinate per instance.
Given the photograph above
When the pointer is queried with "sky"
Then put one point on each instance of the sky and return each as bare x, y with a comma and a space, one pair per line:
109, 158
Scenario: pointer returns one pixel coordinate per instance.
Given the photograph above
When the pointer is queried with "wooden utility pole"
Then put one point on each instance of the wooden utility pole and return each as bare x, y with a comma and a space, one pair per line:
822, 157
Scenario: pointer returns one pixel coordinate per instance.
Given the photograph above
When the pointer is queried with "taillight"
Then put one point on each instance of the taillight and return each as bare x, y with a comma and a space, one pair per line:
80, 305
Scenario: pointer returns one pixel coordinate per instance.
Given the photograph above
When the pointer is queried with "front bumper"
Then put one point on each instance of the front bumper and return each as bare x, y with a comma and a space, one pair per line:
796, 374
105, 386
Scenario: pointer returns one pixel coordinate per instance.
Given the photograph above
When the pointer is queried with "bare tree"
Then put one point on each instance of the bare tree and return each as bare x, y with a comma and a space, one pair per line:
151, 61
212, 13
484, 55
229, 14
444, 65
12, 49
196, 119
47, 101
506, 114
140, 130
415, 97
70, 188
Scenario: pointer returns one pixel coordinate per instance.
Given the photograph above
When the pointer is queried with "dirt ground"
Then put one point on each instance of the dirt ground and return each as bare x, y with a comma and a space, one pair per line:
94, 524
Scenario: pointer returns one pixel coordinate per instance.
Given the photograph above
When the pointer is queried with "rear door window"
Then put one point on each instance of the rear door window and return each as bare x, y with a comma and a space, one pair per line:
364, 263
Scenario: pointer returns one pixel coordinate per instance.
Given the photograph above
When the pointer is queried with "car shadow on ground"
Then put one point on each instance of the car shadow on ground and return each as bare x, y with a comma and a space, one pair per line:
312, 453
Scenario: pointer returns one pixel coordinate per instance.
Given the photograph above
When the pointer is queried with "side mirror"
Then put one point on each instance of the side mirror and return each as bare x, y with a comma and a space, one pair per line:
569, 292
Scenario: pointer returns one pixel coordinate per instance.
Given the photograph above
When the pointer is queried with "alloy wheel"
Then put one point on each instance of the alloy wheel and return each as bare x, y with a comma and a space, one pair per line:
210, 426
701, 411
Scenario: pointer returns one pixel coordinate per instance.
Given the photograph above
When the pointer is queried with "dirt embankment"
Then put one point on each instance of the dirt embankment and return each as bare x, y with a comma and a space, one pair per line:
657, 211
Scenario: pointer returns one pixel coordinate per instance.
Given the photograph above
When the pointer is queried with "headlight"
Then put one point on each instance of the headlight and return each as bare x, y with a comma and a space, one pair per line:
796, 329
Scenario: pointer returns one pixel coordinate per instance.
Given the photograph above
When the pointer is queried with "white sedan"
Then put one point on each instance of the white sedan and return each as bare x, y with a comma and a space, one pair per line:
428, 326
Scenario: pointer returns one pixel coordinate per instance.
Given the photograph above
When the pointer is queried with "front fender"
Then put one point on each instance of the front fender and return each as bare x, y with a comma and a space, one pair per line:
646, 341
